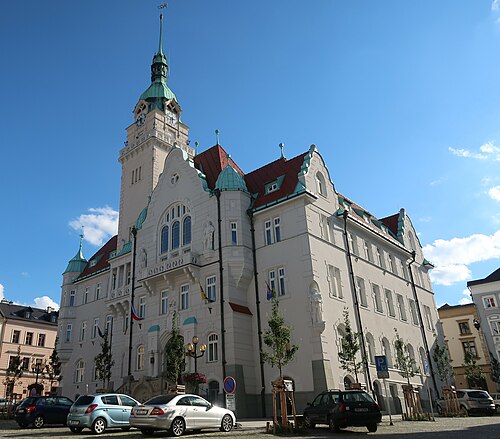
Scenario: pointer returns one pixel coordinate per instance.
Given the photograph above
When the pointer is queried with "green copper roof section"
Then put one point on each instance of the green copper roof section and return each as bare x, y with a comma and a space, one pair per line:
154, 328
78, 263
127, 248
190, 320
230, 179
142, 216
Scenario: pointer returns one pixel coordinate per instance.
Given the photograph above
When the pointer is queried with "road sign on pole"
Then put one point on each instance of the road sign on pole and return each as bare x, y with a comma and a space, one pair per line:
229, 385
382, 367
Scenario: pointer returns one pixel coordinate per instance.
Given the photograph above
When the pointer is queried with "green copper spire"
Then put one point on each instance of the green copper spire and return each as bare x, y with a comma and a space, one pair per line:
230, 179
78, 263
158, 92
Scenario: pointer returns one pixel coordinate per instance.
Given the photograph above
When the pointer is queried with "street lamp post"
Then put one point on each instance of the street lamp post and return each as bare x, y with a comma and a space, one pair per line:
36, 368
192, 351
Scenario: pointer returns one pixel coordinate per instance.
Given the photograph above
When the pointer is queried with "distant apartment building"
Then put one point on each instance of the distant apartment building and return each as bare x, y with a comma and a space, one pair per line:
34, 331
462, 334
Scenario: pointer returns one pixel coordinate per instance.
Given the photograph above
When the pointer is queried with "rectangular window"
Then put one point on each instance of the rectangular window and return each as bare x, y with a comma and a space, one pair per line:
41, 340
281, 281
184, 296
401, 307
16, 335
495, 327
142, 307
109, 324
211, 288
379, 254
98, 291
353, 244
69, 333
234, 233
83, 330
272, 281
29, 338
464, 328
125, 322
377, 300
402, 269
323, 223
334, 281
390, 303
360, 286
390, 260
368, 250
489, 302
128, 277
95, 331
268, 233
213, 341
86, 295
470, 346
413, 310
164, 302
277, 230
26, 363
72, 298
428, 318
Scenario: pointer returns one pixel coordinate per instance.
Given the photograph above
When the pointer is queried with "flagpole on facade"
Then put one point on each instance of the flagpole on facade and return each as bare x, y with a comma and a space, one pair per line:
133, 231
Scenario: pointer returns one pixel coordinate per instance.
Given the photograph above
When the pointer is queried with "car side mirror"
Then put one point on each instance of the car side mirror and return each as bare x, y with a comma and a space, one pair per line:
209, 406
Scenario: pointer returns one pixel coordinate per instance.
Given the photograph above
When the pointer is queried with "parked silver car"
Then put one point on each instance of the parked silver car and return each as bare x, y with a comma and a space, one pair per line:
178, 413
496, 400
475, 401
101, 411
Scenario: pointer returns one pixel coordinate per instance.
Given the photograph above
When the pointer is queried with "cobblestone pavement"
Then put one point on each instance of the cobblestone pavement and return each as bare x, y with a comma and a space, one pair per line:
487, 427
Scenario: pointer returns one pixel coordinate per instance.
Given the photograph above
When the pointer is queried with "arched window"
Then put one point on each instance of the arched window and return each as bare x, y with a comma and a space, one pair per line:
175, 235
386, 350
347, 382
213, 391
370, 344
164, 239
186, 231
411, 354
140, 358
213, 343
320, 183
80, 371
423, 361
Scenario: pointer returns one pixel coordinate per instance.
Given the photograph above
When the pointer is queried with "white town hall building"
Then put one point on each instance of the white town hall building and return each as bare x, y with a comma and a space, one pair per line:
201, 222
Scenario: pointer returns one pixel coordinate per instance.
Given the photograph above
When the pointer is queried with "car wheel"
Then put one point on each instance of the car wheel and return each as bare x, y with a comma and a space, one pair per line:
226, 424
147, 431
308, 423
463, 411
372, 428
333, 426
76, 429
178, 427
38, 422
99, 426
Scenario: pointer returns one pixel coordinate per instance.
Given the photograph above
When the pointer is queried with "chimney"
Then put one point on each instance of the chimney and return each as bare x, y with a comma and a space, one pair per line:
50, 309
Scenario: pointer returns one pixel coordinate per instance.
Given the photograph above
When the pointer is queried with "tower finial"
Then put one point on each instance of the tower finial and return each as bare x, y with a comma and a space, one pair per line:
282, 146
196, 148
161, 7
217, 136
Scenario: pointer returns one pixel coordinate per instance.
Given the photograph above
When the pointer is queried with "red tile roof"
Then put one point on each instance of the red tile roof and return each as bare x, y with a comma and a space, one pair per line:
211, 162
392, 223
102, 257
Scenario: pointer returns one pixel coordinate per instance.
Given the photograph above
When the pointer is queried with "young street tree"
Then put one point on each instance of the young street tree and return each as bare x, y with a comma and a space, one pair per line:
175, 353
104, 361
13, 373
53, 367
405, 363
472, 371
350, 348
442, 362
277, 338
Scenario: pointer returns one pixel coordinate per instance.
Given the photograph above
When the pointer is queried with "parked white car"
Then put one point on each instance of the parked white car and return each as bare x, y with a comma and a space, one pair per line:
179, 413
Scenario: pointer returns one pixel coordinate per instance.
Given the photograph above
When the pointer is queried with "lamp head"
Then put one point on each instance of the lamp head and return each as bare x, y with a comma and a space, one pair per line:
203, 348
195, 340
190, 347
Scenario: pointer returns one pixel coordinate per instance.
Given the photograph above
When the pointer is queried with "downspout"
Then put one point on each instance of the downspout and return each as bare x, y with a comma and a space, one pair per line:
132, 297
257, 305
422, 329
356, 304
221, 274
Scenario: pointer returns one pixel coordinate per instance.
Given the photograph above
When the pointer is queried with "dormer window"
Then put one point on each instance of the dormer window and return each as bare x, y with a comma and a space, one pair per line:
92, 263
274, 185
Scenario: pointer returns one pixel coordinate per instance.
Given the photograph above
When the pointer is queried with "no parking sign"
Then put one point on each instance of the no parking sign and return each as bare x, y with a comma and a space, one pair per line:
229, 385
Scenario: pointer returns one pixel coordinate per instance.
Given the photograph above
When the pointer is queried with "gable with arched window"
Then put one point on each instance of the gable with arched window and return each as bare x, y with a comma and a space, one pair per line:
175, 230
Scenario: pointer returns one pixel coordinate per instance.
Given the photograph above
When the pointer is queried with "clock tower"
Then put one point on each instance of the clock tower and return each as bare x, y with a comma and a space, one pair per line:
157, 128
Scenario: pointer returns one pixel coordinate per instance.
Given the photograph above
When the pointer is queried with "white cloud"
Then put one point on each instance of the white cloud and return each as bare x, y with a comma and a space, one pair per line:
494, 193
45, 301
495, 5
453, 257
98, 225
489, 148
466, 153
465, 300
487, 151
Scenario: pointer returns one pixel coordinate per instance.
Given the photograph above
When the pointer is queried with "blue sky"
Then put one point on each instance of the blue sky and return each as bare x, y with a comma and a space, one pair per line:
401, 98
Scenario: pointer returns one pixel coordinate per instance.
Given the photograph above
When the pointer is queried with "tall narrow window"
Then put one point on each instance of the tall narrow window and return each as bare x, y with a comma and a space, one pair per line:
390, 303
379, 257
95, 330
97, 291
413, 310
142, 307
109, 324
80, 371
335, 282
140, 358
211, 289
353, 244
428, 318
360, 285
41, 340
320, 183
69, 333
390, 260
376, 298
186, 231
72, 298
213, 342
16, 335
29, 338
164, 239
281, 281
86, 295
386, 350
368, 250
126, 318
184, 296
323, 222
175, 235
164, 302
277, 230
272, 281
370, 343
83, 331
401, 307
268, 233
234, 233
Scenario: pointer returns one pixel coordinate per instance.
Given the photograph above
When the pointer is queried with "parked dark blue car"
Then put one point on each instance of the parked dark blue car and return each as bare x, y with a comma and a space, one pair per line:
41, 410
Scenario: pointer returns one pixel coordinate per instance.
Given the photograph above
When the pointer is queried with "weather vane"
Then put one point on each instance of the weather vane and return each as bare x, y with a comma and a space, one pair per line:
162, 6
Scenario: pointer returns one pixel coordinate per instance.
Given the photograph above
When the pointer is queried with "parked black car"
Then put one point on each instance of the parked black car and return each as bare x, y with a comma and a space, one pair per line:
41, 410
343, 408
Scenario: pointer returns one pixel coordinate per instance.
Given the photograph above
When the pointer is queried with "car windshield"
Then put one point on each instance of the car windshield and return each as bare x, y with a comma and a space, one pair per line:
28, 401
160, 400
357, 397
478, 395
84, 400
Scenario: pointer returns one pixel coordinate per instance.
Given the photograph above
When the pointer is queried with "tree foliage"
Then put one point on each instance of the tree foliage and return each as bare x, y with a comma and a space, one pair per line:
472, 371
405, 363
442, 362
14, 371
53, 368
174, 353
277, 338
104, 361
348, 356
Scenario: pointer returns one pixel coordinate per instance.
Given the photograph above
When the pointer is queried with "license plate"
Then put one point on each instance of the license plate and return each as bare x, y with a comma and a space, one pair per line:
362, 409
73, 422
142, 411
20, 411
